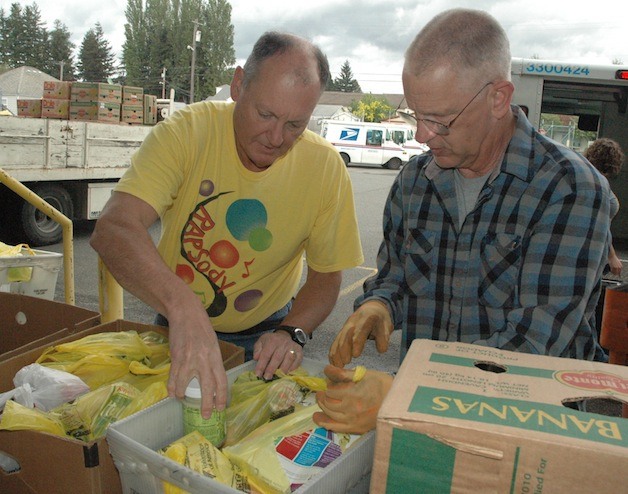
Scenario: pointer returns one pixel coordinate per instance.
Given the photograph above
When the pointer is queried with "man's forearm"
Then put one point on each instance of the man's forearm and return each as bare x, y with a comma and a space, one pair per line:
133, 260
315, 300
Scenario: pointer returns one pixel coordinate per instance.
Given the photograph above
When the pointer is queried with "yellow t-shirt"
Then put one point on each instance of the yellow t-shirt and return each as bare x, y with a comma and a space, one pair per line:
238, 237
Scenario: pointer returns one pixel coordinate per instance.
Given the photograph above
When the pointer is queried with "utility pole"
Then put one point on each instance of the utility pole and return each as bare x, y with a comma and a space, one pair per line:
163, 83
61, 64
196, 37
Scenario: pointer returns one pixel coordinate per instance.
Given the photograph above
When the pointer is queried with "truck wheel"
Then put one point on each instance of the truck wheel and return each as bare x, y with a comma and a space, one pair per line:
38, 228
393, 164
345, 158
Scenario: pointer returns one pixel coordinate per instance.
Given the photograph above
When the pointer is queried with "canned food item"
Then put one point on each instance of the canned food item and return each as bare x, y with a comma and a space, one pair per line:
214, 428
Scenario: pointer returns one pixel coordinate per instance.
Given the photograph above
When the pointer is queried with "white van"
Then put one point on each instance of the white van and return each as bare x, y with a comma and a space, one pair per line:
403, 135
364, 143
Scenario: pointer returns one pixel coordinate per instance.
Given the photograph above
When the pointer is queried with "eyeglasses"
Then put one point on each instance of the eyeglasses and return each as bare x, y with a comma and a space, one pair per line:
437, 127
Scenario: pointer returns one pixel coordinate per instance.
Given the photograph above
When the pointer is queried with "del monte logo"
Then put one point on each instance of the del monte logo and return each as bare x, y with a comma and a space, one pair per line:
593, 381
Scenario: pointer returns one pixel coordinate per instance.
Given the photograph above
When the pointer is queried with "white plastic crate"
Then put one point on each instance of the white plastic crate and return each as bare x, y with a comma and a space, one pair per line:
45, 270
134, 441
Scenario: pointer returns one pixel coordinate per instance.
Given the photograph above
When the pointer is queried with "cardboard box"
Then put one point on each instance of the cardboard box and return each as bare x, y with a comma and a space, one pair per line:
54, 464
150, 109
133, 114
95, 111
57, 89
30, 322
466, 418
55, 108
28, 274
91, 92
132, 95
29, 108
134, 441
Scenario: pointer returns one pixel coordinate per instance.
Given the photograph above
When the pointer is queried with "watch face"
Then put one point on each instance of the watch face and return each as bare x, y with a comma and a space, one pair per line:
300, 336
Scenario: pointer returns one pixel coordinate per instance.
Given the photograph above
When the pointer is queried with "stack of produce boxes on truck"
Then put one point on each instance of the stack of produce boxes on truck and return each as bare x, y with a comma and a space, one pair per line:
29, 107
54, 104
91, 101
150, 109
132, 105
96, 101
56, 100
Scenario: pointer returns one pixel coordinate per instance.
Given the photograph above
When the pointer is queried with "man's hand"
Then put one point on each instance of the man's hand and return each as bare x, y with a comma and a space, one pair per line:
276, 351
370, 321
350, 406
195, 352
614, 262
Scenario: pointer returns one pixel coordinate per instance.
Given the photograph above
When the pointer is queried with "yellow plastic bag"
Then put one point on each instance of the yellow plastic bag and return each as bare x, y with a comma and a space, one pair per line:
88, 417
159, 349
123, 344
95, 370
199, 454
255, 455
255, 402
15, 273
104, 358
177, 452
155, 392
17, 417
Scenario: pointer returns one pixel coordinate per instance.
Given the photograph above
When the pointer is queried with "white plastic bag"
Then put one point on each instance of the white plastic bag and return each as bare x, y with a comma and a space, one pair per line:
49, 387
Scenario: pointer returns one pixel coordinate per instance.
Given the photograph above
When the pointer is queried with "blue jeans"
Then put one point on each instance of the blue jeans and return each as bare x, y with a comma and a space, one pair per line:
247, 338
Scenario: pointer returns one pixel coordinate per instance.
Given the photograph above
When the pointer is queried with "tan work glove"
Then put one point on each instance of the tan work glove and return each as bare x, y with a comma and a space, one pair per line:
370, 321
350, 406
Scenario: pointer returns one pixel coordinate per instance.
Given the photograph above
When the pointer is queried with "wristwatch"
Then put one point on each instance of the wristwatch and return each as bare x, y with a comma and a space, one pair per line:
297, 334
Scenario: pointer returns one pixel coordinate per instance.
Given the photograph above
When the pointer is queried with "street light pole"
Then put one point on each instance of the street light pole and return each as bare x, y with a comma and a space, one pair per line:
196, 37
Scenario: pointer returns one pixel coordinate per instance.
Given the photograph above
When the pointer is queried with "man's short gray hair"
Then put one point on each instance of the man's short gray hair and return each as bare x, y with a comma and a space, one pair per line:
464, 40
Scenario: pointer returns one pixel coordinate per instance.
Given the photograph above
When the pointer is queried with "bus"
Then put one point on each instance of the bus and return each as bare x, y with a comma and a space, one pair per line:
592, 97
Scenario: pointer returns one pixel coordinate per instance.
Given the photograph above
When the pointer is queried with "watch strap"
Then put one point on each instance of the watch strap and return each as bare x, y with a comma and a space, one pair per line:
292, 331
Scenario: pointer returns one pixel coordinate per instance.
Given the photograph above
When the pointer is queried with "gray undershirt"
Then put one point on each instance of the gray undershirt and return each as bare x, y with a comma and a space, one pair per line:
467, 192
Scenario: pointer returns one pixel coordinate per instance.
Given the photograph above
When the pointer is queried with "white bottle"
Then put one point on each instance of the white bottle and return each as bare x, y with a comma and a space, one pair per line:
214, 428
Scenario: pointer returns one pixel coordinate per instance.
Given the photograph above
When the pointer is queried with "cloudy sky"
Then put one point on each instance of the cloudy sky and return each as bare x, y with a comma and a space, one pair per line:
373, 34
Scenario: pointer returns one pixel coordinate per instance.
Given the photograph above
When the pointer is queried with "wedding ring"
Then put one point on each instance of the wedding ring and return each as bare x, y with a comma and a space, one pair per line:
293, 353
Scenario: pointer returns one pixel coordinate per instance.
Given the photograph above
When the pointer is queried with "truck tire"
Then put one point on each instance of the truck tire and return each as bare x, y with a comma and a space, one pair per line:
345, 158
38, 228
393, 164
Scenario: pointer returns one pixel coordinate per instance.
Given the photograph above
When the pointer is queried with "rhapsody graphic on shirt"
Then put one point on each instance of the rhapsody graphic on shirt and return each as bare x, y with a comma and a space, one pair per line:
220, 261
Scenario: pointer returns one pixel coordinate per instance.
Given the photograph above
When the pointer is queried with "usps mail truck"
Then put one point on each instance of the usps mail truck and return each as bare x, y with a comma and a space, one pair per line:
364, 143
403, 135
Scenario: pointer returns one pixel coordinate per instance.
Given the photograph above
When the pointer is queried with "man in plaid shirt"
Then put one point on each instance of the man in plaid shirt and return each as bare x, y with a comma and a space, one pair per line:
498, 236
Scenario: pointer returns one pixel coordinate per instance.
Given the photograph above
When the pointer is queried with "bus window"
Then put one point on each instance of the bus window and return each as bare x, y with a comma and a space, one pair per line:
569, 130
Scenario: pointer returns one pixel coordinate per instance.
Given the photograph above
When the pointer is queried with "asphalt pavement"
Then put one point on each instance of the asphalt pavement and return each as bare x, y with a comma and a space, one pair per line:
371, 186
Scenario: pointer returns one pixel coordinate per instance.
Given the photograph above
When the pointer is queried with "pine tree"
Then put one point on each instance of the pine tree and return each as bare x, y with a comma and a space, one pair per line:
96, 60
61, 49
345, 82
14, 38
24, 39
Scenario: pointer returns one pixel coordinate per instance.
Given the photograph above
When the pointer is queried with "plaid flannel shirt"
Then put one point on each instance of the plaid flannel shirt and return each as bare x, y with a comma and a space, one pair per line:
524, 271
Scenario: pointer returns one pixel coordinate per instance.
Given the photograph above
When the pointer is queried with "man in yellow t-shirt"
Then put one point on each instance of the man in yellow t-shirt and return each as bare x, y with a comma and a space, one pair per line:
243, 192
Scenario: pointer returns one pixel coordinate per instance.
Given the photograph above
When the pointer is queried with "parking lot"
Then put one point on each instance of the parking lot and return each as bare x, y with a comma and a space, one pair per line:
371, 185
